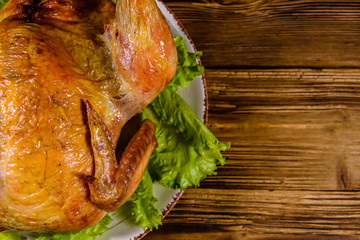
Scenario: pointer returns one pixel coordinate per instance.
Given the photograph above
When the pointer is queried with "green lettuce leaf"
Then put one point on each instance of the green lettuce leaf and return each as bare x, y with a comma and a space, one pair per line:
11, 235
2, 3
143, 202
187, 151
188, 68
86, 234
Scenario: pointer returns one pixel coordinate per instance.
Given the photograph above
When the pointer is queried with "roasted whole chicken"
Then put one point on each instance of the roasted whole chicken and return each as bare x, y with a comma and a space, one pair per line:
72, 73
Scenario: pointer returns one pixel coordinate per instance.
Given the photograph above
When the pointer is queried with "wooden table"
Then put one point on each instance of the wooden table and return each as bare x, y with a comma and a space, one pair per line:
283, 80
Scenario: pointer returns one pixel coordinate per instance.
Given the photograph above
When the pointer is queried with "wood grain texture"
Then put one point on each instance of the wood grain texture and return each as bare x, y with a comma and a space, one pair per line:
283, 82
248, 214
294, 128
293, 169
273, 33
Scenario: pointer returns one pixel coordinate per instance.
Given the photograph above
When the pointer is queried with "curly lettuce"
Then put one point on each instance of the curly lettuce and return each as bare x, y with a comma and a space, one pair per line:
144, 212
86, 234
188, 68
187, 151
2, 3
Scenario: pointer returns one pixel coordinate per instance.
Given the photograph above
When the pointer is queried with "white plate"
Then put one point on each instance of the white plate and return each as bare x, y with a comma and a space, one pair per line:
196, 96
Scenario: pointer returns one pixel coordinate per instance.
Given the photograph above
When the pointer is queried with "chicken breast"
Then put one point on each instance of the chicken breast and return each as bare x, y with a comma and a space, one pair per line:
72, 73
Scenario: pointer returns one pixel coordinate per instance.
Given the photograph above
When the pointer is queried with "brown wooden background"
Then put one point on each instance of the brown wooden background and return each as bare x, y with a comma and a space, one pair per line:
283, 80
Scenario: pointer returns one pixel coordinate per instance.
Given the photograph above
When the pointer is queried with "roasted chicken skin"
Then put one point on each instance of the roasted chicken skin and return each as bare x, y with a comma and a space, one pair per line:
72, 73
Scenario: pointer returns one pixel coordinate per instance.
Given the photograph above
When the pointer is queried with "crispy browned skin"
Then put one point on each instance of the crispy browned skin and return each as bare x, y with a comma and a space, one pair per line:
71, 74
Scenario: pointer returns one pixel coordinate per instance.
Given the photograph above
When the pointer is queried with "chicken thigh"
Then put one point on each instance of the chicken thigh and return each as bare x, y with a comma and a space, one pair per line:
72, 73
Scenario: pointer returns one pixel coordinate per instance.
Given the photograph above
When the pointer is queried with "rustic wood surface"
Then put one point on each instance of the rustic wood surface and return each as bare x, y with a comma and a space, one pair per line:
283, 81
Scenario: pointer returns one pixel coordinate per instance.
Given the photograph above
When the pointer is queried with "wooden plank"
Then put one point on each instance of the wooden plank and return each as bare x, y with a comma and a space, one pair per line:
292, 170
263, 33
290, 128
249, 214
253, 214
